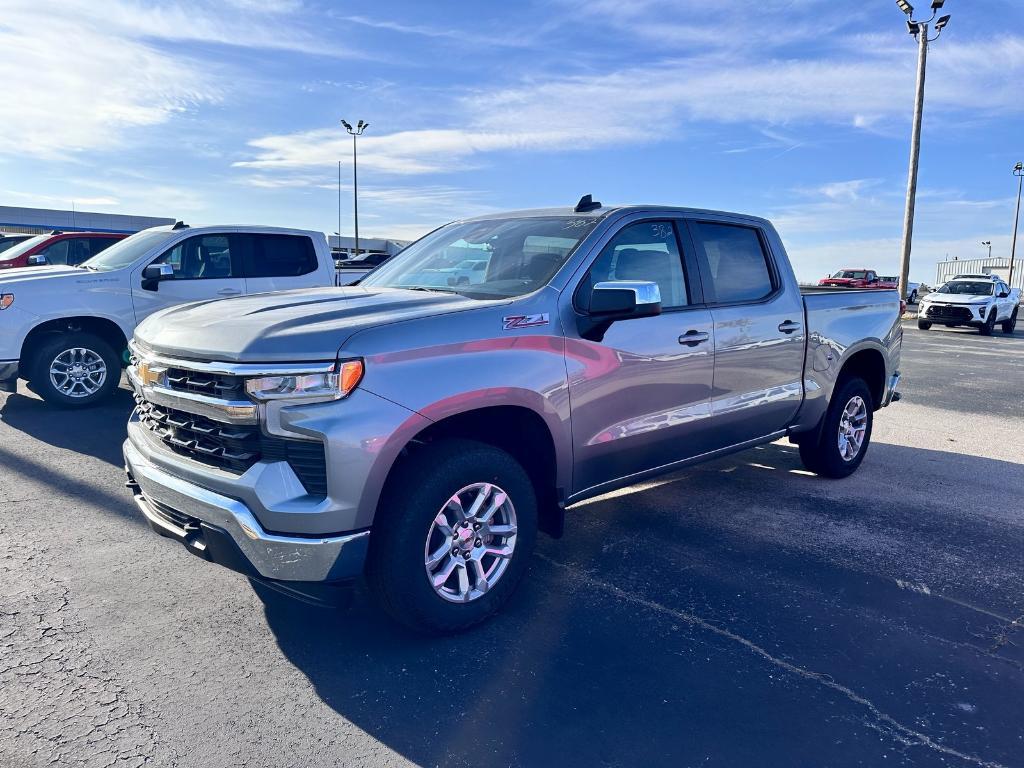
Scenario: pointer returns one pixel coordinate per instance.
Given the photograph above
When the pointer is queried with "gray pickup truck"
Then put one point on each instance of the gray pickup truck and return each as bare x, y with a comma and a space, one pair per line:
422, 433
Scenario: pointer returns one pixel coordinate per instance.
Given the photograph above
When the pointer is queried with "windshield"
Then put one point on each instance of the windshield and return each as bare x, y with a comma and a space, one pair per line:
969, 288
511, 257
851, 274
25, 245
124, 252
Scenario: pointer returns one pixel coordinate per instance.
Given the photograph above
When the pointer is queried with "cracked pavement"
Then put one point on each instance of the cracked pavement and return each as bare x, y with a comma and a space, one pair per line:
738, 613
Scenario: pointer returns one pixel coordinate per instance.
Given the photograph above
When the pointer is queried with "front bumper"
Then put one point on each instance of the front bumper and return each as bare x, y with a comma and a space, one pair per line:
223, 530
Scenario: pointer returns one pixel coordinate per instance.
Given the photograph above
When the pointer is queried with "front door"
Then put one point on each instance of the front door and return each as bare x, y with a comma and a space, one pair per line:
204, 267
640, 392
759, 332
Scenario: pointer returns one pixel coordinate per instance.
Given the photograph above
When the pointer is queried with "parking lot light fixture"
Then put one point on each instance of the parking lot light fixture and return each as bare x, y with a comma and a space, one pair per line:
355, 133
989, 244
1018, 171
919, 29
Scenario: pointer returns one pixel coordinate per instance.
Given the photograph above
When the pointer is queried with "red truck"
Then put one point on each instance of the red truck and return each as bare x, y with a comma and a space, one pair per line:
853, 278
69, 248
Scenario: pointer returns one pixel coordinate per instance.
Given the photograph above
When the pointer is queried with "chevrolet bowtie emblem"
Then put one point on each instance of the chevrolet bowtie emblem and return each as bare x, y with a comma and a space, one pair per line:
150, 375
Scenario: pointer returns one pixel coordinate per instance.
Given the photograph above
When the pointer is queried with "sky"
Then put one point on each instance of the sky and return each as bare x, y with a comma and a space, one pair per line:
227, 111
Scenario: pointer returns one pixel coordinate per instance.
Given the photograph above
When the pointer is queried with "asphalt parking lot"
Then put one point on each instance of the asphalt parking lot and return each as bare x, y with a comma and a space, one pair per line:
739, 613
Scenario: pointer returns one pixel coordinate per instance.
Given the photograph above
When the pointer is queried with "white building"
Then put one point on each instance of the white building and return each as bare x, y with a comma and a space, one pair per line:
997, 265
39, 221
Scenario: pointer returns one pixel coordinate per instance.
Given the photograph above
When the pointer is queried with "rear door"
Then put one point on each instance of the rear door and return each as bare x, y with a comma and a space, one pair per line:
759, 334
278, 262
640, 391
204, 267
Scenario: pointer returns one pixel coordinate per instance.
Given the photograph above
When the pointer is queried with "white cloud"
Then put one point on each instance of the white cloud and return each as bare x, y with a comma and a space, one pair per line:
659, 101
78, 76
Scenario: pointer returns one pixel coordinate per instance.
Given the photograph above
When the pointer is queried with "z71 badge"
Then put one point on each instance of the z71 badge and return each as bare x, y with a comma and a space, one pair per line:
524, 321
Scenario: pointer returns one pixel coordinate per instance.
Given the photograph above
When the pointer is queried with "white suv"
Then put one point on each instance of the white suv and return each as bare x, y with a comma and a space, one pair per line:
980, 302
66, 329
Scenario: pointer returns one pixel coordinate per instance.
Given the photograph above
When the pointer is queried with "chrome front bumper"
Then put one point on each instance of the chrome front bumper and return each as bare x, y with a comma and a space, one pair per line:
179, 509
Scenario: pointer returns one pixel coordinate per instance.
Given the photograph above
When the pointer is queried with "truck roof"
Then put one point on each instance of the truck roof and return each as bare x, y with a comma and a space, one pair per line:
237, 228
607, 210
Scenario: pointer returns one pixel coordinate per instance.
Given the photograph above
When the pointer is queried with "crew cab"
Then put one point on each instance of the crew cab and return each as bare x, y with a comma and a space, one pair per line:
979, 302
422, 433
65, 329
70, 248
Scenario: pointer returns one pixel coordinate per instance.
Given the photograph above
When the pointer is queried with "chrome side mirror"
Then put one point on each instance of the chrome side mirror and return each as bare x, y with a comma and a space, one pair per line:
621, 299
36, 260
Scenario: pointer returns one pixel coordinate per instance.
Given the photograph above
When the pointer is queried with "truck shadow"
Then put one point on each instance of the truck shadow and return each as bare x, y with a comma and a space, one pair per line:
597, 659
97, 431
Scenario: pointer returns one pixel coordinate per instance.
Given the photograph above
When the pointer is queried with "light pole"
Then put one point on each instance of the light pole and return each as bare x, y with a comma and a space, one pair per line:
919, 29
1018, 171
989, 244
357, 131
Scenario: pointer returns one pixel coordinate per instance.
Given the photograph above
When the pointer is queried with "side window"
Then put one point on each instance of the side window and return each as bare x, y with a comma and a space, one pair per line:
204, 257
56, 253
734, 262
97, 244
279, 256
647, 251
78, 250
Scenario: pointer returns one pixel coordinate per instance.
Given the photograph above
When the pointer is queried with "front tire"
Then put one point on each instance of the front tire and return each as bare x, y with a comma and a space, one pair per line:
845, 433
75, 370
1011, 324
989, 325
924, 325
453, 536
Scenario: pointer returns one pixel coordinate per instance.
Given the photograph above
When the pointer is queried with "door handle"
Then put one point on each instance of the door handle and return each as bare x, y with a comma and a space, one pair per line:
693, 338
229, 292
789, 326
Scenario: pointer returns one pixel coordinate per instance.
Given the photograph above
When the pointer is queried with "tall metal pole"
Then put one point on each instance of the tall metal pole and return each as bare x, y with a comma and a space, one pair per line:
915, 154
1018, 171
355, 191
339, 207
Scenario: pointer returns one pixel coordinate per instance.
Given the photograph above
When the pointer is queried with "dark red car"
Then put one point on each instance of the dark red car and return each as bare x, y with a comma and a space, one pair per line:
70, 248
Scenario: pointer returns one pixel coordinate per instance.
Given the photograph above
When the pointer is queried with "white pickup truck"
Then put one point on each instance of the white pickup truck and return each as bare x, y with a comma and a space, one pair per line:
66, 329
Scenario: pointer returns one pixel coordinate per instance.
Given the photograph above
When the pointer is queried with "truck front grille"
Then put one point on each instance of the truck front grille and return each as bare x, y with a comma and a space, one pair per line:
959, 314
233, 447
224, 386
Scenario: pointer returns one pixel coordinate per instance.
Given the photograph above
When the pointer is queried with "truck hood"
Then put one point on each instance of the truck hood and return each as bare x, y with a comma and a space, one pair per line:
957, 298
28, 282
287, 326
839, 281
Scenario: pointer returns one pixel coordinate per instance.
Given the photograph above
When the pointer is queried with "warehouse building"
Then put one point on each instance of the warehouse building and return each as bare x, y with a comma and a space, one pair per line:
997, 265
39, 221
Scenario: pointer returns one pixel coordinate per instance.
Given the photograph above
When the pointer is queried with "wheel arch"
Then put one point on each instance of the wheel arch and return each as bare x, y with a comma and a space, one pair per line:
516, 429
103, 327
868, 364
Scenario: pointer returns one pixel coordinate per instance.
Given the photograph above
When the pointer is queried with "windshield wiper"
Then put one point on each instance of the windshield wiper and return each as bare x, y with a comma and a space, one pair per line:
432, 289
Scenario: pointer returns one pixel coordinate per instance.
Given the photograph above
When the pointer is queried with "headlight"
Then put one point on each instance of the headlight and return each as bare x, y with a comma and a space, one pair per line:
332, 385
6, 299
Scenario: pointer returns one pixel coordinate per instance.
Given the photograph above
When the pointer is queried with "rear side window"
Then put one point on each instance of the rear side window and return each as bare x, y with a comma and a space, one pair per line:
99, 244
734, 263
279, 256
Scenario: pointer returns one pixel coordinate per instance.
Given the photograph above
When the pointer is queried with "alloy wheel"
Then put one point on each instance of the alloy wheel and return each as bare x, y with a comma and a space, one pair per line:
470, 543
78, 372
853, 425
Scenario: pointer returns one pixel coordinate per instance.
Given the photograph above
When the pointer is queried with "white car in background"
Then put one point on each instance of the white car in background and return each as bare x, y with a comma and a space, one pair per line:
980, 302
